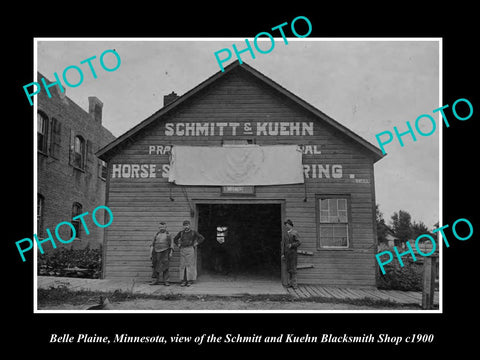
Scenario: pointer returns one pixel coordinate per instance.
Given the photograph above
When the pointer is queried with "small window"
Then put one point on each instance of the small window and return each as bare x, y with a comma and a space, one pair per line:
333, 231
79, 152
42, 132
76, 210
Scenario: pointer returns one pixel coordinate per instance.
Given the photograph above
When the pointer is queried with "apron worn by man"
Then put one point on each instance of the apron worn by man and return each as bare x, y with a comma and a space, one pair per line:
187, 241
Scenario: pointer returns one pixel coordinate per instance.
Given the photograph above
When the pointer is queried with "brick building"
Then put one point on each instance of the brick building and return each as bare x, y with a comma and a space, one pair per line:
70, 178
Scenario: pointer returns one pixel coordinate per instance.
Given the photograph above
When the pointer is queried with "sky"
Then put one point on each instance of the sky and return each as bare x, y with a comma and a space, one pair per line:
367, 85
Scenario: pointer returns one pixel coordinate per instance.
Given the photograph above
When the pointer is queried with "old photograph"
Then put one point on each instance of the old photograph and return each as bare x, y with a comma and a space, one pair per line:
227, 175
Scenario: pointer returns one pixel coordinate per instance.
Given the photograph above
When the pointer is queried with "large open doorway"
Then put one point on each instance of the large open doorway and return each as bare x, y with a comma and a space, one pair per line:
241, 240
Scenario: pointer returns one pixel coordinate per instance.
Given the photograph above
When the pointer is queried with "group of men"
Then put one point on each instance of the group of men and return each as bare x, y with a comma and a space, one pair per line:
162, 249
188, 239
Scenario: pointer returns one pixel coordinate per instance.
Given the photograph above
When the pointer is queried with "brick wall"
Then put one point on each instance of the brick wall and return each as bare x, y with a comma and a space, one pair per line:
59, 182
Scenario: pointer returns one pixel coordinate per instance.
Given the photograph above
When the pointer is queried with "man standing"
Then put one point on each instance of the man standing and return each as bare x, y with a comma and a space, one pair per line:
161, 251
187, 240
290, 243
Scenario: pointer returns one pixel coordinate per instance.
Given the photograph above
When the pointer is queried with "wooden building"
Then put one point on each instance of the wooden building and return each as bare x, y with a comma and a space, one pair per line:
333, 208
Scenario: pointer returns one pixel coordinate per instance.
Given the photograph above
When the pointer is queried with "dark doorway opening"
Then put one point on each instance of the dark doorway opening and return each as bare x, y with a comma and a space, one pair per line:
240, 240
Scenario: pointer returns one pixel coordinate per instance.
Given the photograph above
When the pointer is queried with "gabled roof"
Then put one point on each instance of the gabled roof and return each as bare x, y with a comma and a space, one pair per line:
105, 152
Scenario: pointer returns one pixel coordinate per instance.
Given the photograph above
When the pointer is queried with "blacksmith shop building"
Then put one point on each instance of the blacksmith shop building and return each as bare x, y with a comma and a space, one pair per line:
71, 179
238, 155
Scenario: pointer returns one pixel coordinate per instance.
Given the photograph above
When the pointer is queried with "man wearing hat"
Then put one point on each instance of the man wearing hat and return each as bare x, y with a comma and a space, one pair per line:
161, 250
187, 240
290, 243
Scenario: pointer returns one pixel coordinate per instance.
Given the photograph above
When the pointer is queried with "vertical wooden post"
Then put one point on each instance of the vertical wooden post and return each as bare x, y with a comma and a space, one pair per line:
283, 264
428, 293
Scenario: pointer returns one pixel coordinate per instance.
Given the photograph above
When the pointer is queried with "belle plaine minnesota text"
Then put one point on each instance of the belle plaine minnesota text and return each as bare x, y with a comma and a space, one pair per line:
238, 338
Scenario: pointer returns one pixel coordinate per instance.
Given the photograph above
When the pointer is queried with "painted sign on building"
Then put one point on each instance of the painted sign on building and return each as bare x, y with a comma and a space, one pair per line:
239, 129
198, 129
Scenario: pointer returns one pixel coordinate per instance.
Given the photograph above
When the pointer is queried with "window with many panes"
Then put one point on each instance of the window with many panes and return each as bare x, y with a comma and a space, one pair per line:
333, 221
79, 152
42, 132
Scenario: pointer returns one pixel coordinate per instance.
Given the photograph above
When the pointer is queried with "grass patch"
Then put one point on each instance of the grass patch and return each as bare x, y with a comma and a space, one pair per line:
83, 263
63, 295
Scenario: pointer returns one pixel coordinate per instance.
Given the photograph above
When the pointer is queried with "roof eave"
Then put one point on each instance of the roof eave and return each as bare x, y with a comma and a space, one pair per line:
105, 152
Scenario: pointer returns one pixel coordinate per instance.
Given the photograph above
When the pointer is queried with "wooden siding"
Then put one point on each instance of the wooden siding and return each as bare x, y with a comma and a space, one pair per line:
139, 203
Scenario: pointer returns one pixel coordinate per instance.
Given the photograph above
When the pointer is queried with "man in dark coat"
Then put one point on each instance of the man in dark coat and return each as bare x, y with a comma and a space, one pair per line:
161, 250
187, 240
290, 243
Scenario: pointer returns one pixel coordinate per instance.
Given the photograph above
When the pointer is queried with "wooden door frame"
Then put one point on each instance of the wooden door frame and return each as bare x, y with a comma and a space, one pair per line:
233, 200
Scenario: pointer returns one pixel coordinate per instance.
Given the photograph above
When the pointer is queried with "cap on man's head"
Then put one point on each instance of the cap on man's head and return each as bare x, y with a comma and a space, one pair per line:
186, 222
289, 222
162, 223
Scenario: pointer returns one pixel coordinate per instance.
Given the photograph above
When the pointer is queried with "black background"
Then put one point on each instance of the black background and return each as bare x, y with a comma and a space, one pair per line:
454, 24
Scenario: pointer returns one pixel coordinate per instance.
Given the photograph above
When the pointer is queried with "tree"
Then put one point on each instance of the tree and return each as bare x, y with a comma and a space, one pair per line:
381, 226
401, 225
419, 229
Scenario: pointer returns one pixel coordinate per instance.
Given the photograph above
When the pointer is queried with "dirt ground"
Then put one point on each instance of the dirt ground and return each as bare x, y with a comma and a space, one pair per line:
155, 304
63, 298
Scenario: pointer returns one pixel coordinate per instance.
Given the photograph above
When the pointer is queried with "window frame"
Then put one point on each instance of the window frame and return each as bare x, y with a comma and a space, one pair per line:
76, 223
83, 154
45, 133
319, 244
